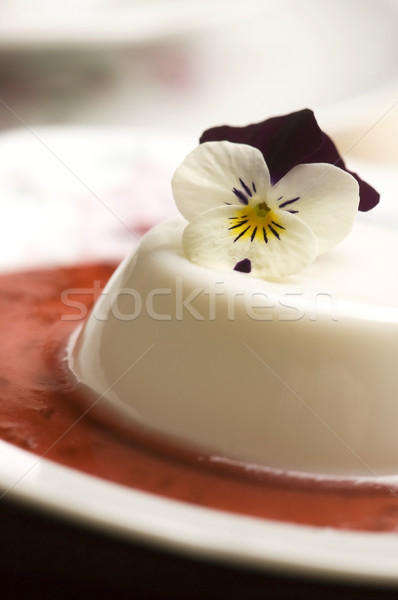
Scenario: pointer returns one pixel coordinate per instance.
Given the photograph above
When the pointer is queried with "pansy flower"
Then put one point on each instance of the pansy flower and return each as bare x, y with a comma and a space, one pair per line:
243, 215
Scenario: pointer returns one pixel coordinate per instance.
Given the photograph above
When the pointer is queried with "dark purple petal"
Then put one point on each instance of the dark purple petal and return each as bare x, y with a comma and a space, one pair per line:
284, 141
243, 266
328, 153
368, 196
288, 141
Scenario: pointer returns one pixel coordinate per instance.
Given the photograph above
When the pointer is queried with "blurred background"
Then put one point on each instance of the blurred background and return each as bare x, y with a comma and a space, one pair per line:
183, 65
165, 70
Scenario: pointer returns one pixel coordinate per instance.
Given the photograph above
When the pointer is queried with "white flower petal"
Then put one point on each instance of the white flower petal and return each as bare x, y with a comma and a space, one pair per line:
328, 200
207, 176
208, 241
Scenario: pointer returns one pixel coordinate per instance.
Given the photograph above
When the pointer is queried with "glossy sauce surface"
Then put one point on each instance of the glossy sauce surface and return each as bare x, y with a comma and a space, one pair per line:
42, 411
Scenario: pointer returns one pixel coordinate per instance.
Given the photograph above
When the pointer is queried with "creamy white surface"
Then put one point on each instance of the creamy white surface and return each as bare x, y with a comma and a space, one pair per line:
298, 374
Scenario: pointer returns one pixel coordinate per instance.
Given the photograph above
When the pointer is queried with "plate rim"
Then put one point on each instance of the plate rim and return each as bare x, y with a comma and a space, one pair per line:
201, 532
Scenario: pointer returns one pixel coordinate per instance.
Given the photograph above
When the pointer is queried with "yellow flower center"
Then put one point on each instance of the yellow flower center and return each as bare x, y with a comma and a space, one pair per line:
258, 223
261, 209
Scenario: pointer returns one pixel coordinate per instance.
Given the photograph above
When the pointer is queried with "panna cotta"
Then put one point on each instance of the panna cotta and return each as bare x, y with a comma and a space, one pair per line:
295, 374
261, 327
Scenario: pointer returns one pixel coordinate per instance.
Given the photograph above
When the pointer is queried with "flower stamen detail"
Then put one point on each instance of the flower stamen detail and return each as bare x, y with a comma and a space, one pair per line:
256, 219
261, 209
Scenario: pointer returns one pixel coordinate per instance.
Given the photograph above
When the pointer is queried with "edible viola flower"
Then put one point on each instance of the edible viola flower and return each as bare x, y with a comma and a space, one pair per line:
290, 140
240, 219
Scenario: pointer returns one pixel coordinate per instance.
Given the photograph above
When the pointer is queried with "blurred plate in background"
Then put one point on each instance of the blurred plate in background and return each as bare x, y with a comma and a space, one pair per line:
49, 23
207, 62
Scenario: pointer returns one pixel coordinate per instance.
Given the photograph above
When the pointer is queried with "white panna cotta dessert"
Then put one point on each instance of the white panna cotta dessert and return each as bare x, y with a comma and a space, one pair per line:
294, 372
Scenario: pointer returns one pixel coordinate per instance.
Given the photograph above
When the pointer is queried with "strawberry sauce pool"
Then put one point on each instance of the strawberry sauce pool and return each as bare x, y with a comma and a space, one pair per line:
41, 411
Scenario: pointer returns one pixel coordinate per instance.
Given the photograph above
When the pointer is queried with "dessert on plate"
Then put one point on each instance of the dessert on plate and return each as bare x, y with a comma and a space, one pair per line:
260, 328
242, 358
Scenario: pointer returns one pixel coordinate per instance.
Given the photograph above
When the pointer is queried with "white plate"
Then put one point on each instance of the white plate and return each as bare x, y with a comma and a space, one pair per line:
79, 172
83, 194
